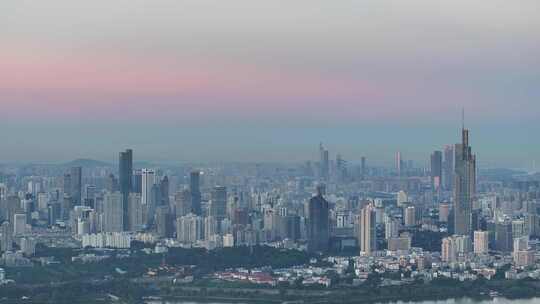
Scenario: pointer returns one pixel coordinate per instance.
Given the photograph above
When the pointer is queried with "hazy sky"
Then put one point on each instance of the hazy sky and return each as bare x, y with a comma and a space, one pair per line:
245, 80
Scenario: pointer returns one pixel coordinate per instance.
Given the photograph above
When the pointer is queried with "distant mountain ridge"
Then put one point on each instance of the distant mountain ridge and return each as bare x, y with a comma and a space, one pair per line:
88, 163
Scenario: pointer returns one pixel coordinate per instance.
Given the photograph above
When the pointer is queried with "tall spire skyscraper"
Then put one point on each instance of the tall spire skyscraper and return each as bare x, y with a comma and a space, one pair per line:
464, 184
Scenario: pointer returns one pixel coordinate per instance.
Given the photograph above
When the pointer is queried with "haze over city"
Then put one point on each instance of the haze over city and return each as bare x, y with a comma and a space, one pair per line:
241, 80
270, 152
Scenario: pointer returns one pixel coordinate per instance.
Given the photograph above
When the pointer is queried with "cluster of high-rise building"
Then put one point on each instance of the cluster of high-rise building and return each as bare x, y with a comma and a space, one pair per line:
323, 206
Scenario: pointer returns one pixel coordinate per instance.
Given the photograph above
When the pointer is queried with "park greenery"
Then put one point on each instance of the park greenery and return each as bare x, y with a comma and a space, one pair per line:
69, 281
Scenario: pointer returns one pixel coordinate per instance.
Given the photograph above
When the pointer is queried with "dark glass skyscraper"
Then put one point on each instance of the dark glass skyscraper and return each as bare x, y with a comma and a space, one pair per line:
464, 184
125, 171
76, 185
218, 207
318, 223
194, 188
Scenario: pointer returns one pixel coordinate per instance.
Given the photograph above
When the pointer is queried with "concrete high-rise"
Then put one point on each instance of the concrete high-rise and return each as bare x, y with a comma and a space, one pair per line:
444, 212
368, 236
125, 180
183, 203
147, 195
409, 216
318, 223
448, 168
402, 198
195, 190
136, 212
448, 250
19, 224
189, 229
464, 185
6, 236
112, 212
436, 170
481, 242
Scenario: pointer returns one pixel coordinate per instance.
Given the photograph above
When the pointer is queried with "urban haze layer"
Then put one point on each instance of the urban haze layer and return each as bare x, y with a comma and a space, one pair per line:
321, 231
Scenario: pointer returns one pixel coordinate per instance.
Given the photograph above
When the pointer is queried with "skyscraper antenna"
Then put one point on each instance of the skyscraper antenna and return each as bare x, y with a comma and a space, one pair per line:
463, 118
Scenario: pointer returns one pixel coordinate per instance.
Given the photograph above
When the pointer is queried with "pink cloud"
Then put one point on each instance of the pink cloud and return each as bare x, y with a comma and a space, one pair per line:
44, 83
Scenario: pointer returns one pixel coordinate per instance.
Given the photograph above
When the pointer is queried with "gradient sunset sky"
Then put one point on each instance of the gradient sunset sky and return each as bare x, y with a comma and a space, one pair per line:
245, 80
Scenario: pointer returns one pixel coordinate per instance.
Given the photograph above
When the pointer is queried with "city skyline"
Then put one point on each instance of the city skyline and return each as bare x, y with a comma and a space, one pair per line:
177, 81
384, 158
305, 151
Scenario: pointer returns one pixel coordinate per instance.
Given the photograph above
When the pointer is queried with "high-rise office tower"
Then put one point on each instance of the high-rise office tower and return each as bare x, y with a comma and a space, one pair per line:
136, 182
399, 163
111, 183
410, 216
66, 184
363, 168
112, 212
195, 190
218, 206
436, 170
148, 181
368, 237
90, 194
136, 212
12, 207
324, 163
125, 171
19, 224
76, 185
448, 168
464, 185
503, 236
164, 191
318, 222
164, 222
183, 202
341, 168
6, 236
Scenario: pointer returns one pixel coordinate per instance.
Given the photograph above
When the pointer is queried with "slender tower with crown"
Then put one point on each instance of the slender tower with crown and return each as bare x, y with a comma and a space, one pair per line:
464, 183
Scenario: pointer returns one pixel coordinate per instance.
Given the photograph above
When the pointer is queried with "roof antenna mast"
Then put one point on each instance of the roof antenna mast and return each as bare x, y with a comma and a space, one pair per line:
463, 118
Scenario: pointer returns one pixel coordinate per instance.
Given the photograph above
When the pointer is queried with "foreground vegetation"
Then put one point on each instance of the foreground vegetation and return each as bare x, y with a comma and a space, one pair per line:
71, 282
130, 292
